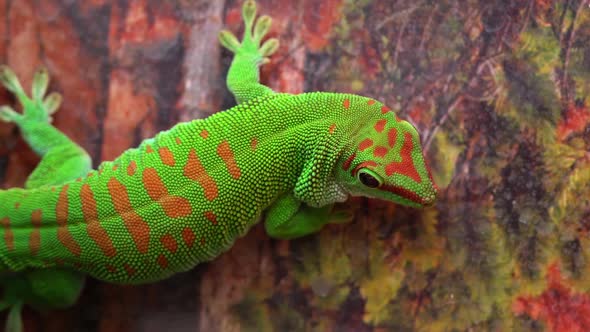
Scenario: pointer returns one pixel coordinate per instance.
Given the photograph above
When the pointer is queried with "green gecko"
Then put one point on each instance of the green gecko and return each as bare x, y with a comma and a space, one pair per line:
184, 196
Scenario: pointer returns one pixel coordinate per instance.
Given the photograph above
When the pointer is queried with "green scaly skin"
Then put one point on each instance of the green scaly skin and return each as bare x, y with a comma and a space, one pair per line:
184, 196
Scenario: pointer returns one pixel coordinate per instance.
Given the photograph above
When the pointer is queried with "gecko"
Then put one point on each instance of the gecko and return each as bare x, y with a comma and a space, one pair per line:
184, 196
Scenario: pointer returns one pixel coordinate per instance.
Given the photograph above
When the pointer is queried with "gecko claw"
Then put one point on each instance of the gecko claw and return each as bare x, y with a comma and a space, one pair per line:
261, 29
269, 47
9, 80
40, 84
229, 41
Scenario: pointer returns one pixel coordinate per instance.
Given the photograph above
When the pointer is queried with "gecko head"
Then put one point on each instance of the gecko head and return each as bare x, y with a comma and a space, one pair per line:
385, 160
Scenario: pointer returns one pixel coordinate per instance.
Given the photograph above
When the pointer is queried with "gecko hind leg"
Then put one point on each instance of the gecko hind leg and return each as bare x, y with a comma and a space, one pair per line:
62, 160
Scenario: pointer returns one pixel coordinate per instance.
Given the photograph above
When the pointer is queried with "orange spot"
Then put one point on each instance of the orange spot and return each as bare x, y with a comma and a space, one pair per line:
79, 180
166, 156
131, 168
406, 165
332, 128
380, 151
130, 271
135, 225
53, 188
93, 227
346, 103
385, 109
370, 102
348, 162
380, 125
253, 143
16, 205
35, 237
111, 268
195, 171
392, 137
169, 243
211, 217
178, 141
162, 261
61, 215
365, 144
115, 167
188, 236
8, 235
204, 133
149, 149
90, 174
173, 206
227, 155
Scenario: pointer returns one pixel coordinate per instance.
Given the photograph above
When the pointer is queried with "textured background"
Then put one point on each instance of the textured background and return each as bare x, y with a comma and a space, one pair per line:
498, 89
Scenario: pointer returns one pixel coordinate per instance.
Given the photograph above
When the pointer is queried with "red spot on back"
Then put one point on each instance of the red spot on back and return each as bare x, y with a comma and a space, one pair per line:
178, 141
392, 137
35, 237
111, 268
195, 171
130, 270
95, 231
16, 205
348, 162
346, 103
173, 206
370, 102
204, 133
380, 151
166, 156
115, 167
169, 243
385, 109
253, 143
131, 168
227, 155
211, 217
188, 236
406, 165
162, 261
61, 215
332, 128
365, 144
380, 125
8, 235
149, 149
135, 225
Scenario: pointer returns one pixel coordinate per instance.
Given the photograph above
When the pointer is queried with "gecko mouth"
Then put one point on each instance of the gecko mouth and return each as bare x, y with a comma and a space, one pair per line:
407, 194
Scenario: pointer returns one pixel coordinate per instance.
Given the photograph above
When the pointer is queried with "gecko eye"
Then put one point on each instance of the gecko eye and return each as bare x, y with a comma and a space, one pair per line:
369, 178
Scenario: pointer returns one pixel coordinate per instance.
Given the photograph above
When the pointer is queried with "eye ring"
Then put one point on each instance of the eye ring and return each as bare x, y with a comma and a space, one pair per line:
369, 178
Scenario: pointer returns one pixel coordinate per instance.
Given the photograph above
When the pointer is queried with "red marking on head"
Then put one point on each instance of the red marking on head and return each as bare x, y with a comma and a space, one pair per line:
348, 162
397, 118
61, 216
178, 141
204, 133
149, 149
35, 237
403, 193
130, 271
380, 125
380, 151
16, 205
111, 268
392, 137
368, 164
162, 261
173, 206
195, 171
8, 235
346, 103
385, 109
134, 223
93, 227
166, 156
365, 144
131, 168
253, 143
332, 128
169, 243
406, 165
227, 155
188, 236
211, 217
370, 102
115, 167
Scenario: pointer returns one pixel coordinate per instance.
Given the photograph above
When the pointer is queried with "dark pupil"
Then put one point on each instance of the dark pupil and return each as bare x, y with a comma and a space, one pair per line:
368, 180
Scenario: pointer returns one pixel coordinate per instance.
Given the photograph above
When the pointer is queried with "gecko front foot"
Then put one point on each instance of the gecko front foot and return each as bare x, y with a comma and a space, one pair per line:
36, 108
250, 45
